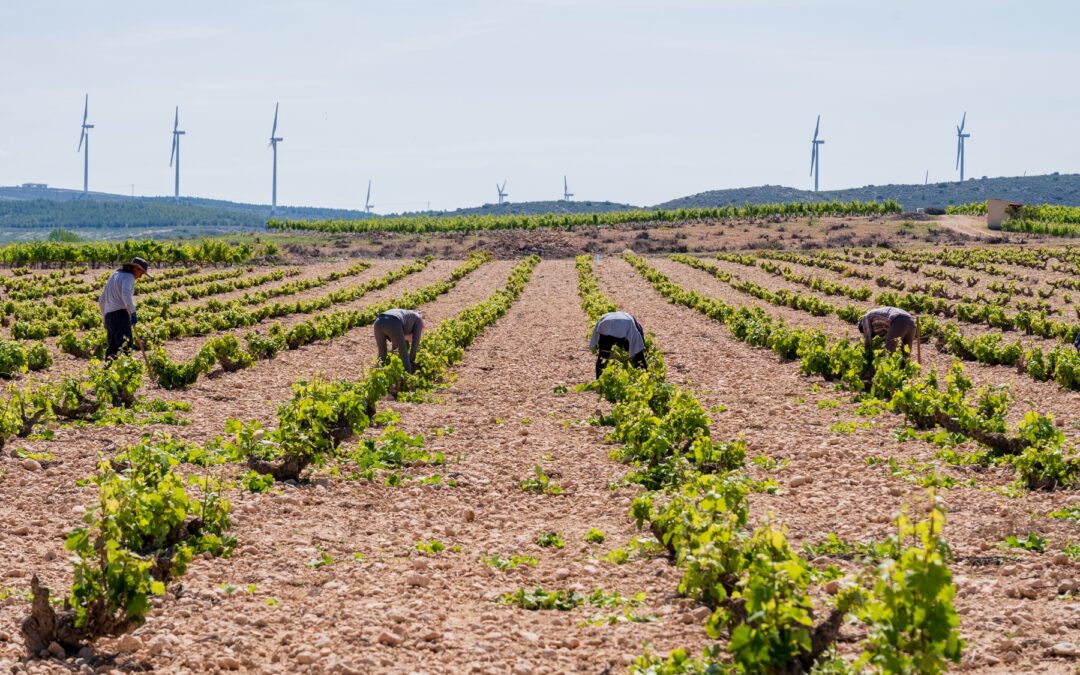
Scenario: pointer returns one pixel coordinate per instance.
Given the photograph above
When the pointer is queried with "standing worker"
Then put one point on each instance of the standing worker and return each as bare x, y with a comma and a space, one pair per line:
890, 323
117, 304
622, 329
399, 326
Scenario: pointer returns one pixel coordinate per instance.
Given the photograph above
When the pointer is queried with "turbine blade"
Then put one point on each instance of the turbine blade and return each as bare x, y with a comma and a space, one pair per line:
963, 120
175, 141
86, 108
81, 137
813, 157
273, 131
959, 151
176, 120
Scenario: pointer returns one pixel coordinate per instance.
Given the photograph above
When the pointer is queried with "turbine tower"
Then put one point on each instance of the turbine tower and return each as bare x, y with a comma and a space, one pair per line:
176, 134
84, 139
960, 136
815, 155
274, 140
502, 193
367, 200
566, 194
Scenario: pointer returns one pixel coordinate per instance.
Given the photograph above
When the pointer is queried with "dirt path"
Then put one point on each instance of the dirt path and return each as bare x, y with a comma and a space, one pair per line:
971, 226
786, 416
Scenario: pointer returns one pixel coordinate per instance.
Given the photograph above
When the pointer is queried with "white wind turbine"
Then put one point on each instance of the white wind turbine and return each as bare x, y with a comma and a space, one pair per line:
502, 191
175, 155
84, 139
960, 136
274, 140
367, 200
566, 194
815, 156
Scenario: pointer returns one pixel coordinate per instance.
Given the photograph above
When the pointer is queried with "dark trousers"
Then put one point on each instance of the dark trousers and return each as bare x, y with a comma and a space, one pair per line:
118, 333
901, 328
603, 353
389, 328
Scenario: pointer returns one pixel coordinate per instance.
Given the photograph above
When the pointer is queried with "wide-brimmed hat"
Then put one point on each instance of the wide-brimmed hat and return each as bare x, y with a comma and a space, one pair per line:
141, 264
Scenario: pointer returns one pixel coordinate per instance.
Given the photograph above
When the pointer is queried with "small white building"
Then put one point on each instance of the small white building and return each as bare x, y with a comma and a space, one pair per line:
999, 210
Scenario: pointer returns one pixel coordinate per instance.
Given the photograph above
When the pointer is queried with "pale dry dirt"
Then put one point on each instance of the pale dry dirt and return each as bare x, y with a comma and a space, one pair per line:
969, 226
1046, 397
782, 416
396, 610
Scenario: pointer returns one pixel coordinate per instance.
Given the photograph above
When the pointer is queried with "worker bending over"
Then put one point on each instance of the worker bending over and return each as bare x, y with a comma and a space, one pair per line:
622, 329
117, 305
399, 326
890, 323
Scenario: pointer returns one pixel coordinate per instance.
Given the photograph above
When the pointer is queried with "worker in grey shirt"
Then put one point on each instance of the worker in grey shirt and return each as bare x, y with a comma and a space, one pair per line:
623, 330
117, 305
399, 326
890, 323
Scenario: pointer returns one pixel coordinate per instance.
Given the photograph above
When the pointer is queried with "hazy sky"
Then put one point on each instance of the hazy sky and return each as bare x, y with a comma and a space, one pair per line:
437, 100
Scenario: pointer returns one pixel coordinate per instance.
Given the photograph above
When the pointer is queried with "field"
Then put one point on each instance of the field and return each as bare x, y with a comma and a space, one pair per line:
481, 520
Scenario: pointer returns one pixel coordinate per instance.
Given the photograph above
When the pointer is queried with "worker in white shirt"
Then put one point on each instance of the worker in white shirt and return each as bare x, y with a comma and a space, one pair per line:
117, 304
618, 329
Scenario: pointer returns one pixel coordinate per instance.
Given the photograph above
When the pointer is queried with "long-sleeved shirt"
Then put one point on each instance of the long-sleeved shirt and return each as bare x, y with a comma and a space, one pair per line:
622, 326
413, 326
877, 322
119, 293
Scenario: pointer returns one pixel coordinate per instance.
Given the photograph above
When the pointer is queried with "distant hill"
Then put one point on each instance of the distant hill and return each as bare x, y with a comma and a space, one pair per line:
188, 206
1051, 189
533, 208
29, 212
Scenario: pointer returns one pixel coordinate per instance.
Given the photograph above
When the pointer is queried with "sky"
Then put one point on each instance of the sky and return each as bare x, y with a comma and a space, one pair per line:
436, 101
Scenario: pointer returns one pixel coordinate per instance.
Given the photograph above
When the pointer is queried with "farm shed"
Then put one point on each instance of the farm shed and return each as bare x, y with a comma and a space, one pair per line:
997, 210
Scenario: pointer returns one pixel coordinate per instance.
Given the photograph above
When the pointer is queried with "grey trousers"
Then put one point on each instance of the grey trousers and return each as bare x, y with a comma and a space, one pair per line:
390, 328
903, 329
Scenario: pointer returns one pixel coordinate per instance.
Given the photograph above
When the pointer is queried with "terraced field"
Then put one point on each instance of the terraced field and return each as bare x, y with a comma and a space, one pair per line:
256, 493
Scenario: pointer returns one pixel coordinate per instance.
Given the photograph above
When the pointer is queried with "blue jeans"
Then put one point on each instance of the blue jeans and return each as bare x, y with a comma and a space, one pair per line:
118, 333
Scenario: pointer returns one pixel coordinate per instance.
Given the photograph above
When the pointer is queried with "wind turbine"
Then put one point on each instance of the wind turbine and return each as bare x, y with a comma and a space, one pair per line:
367, 200
176, 134
566, 194
960, 136
501, 188
815, 155
84, 138
274, 140
926, 179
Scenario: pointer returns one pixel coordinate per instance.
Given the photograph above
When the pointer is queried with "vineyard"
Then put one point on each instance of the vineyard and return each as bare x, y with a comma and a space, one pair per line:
254, 492
430, 224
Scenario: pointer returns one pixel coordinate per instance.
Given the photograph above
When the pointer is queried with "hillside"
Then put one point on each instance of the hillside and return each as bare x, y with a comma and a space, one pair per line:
534, 208
26, 212
1051, 189
188, 208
